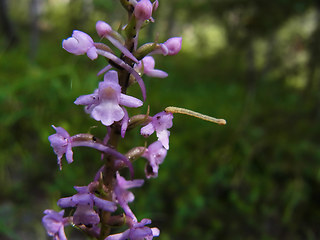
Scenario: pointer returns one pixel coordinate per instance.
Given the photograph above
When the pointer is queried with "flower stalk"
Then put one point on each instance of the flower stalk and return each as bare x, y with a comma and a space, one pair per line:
95, 205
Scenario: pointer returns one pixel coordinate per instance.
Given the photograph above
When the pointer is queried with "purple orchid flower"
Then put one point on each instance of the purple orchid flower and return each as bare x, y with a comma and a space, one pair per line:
104, 103
155, 154
123, 196
84, 200
170, 47
159, 123
61, 143
137, 231
54, 223
146, 65
80, 43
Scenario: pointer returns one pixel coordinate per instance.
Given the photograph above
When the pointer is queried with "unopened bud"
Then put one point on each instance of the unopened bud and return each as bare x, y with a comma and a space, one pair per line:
143, 10
103, 28
173, 45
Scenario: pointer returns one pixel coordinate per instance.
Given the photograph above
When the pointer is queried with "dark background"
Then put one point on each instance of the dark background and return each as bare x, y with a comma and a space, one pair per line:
254, 63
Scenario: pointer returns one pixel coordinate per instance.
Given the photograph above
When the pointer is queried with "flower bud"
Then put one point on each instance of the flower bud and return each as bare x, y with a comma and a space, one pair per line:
103, 28
143, 10
173, 45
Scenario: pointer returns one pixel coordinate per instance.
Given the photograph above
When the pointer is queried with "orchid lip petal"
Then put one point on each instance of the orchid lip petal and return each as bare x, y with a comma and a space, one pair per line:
92, 53
54, 223
155, 154
69, 154
107, 112
62, 234
163, 137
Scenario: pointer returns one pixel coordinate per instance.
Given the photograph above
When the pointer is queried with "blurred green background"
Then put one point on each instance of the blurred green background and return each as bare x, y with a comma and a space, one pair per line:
254, 63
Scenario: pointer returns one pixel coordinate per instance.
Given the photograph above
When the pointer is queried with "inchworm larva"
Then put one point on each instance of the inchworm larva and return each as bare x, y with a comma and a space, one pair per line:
195, 114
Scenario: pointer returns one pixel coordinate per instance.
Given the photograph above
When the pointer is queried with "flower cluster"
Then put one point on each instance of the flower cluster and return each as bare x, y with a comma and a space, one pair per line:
94, 206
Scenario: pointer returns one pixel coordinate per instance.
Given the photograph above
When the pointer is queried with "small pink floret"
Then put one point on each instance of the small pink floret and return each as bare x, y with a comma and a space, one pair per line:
80, 43
173, 45
143, 10
103, 28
